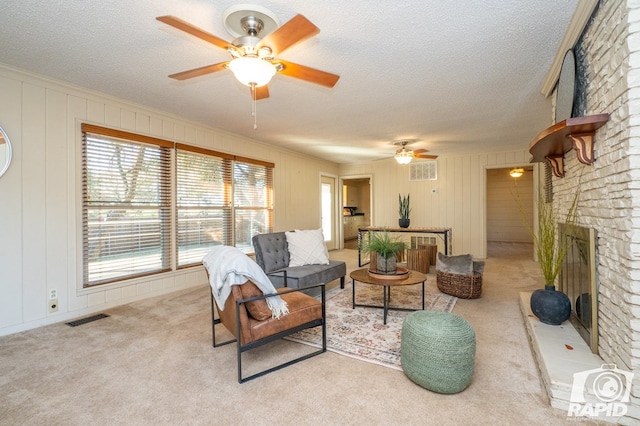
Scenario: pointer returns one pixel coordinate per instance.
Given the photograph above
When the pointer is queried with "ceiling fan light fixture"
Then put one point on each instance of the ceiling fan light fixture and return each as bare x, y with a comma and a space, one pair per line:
403, 156
516, 173
250, 70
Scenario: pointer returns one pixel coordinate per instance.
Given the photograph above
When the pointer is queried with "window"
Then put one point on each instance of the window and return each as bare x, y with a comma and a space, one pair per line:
126, 206
253, 201
136, 221
204, 203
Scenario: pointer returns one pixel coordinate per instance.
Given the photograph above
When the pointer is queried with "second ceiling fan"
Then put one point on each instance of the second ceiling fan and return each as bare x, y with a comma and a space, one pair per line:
254, 59
404, 155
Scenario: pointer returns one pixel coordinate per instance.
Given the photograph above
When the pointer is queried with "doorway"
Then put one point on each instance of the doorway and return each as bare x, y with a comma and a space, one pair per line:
356, 208
510, 202
328, 213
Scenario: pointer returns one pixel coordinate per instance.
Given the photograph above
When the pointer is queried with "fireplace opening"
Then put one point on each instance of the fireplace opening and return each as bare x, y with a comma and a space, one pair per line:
578, 280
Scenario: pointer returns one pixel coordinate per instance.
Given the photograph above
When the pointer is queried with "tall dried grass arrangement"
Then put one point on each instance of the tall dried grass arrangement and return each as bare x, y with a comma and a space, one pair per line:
549, 247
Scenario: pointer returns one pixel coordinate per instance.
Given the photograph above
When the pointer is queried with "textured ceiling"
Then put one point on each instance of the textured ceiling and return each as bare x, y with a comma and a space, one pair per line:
455, 76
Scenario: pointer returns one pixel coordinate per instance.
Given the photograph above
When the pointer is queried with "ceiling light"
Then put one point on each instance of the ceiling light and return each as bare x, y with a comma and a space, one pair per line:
251, 70
516, 173
403, 156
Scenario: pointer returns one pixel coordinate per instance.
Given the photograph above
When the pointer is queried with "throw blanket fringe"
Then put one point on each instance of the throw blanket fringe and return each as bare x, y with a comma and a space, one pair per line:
229, 266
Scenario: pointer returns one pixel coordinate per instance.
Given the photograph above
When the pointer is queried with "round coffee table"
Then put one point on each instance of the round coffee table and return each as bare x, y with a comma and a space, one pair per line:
363, 276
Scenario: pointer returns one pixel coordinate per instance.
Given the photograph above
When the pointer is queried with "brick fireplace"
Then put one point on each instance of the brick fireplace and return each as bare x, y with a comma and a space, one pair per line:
608, 310
608, 73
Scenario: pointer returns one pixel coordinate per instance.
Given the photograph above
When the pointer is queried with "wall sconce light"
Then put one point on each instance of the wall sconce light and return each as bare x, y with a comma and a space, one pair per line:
516, 173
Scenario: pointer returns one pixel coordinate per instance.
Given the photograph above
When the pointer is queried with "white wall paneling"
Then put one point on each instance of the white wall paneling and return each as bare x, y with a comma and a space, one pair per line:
455, 200
33, 202
11, 221
40, 212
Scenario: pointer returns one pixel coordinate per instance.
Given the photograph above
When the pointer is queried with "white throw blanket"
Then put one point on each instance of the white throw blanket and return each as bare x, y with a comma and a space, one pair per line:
229, 266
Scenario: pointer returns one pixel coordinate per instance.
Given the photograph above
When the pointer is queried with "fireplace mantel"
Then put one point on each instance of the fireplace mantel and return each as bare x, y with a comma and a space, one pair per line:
577, 133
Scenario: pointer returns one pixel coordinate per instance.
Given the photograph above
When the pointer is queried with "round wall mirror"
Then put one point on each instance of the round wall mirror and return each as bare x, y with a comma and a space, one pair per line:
5, 151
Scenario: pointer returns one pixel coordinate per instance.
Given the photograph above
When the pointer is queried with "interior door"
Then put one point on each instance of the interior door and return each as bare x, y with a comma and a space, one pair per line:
328, 213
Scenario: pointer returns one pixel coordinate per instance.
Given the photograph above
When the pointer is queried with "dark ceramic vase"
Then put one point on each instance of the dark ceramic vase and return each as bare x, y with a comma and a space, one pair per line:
403, 223
550, 306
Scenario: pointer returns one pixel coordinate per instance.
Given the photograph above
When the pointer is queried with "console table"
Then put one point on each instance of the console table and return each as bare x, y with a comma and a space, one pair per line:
445, 234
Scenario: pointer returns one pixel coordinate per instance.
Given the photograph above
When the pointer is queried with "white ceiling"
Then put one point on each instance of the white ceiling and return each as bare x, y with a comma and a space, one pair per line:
454, 75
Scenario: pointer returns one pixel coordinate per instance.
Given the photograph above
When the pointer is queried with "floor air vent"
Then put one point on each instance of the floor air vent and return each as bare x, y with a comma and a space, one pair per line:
86, 320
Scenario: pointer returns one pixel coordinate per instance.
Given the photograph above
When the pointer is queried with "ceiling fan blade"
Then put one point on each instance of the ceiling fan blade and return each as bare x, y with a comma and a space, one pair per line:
292, 32
262, 92
194, 31
196, 72
428, 156
419, 151
308, 74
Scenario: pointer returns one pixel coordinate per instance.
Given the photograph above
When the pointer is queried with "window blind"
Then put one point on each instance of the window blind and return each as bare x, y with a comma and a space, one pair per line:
126, 189
203, 198
140, 210
253, 201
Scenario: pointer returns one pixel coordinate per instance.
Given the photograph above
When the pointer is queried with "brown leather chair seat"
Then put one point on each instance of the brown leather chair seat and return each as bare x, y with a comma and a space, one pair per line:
302, 309
248, 317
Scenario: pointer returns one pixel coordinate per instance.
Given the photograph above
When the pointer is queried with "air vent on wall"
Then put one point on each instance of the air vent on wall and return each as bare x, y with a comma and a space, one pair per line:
417, 241
423, 170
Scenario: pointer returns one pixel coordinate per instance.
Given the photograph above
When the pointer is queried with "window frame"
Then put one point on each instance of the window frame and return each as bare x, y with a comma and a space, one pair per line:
267, 207
225, 207
171, 239
116, 232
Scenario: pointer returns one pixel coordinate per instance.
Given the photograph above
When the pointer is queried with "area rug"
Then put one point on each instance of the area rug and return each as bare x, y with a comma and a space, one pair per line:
360, 332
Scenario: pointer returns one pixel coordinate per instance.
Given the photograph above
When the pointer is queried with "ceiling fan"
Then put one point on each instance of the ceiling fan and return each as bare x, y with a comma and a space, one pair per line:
404, 155
254, 59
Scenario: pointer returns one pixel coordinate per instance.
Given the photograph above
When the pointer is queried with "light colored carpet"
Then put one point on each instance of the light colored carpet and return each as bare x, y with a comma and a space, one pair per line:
361, 333
152, 363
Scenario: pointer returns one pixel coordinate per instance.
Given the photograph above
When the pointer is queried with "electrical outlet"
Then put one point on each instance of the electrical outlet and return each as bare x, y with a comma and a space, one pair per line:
53, 306
53, 294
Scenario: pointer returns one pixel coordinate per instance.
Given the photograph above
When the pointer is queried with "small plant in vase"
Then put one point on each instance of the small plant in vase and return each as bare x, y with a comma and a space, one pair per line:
385, 248
404, 209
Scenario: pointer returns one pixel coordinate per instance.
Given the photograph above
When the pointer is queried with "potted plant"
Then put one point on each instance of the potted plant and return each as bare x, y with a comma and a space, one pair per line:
385, 248
551, 306
404, 210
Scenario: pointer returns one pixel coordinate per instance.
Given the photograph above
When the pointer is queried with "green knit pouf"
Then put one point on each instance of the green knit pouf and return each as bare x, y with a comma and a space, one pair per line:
437, 351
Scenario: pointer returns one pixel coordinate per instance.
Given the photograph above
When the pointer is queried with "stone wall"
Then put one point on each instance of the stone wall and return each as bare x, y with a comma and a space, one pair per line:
610, 188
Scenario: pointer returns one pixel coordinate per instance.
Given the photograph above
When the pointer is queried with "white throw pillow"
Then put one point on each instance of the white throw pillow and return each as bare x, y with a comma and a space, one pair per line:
307, 247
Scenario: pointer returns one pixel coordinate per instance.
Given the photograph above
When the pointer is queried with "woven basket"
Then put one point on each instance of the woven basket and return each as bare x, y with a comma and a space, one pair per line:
462, 286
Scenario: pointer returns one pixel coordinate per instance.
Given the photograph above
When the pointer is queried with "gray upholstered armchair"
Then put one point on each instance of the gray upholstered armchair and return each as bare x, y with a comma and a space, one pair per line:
272, 254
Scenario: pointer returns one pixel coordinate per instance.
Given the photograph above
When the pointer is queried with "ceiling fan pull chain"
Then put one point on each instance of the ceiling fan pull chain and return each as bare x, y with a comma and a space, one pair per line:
254, 108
